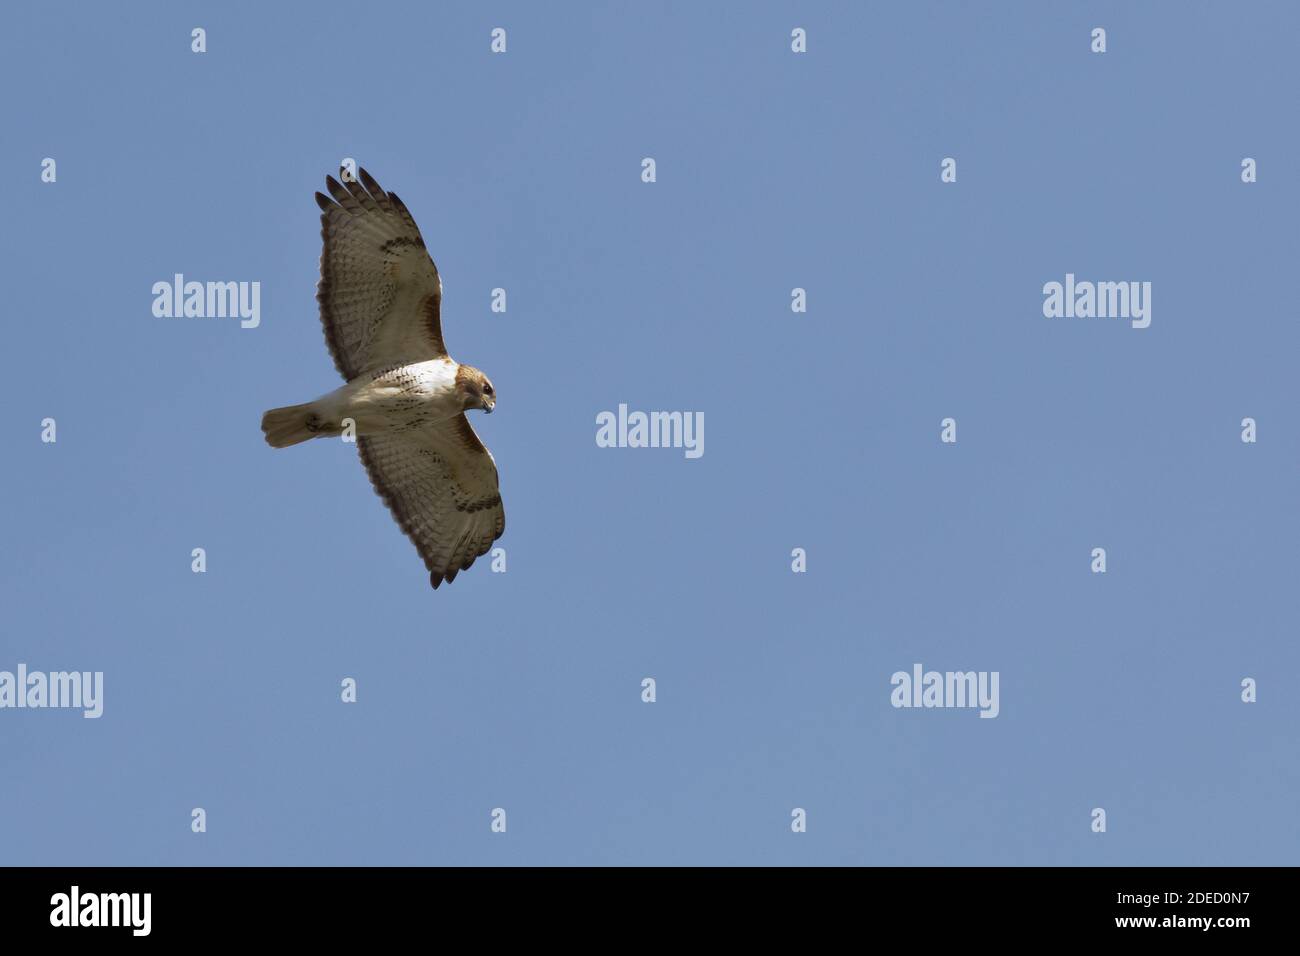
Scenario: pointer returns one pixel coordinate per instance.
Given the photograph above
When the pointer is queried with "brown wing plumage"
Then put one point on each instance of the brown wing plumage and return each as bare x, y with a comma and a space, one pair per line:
440, 483
379, 291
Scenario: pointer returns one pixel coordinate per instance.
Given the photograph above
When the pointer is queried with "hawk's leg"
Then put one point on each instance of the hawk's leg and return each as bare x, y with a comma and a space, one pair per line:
319, 425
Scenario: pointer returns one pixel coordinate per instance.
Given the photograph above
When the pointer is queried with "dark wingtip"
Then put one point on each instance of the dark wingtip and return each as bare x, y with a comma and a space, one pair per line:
369, 182
325, 203
435, 579
336, 188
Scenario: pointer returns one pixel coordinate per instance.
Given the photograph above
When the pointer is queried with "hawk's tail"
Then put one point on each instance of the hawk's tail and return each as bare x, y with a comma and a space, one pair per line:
292, 424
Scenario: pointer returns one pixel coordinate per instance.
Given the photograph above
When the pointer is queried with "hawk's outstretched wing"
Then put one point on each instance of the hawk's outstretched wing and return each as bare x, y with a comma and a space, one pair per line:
440, 483
379, 291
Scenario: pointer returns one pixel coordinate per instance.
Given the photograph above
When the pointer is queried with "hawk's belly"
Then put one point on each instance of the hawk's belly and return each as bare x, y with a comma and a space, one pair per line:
409, 396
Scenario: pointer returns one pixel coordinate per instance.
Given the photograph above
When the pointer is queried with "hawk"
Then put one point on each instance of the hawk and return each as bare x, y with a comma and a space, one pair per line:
405, 399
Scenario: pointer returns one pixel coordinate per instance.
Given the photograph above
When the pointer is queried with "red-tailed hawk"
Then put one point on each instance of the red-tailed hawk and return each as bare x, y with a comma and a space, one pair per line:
405, 398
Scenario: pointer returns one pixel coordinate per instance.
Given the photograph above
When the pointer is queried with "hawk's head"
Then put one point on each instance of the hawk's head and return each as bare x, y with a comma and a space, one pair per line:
475, 389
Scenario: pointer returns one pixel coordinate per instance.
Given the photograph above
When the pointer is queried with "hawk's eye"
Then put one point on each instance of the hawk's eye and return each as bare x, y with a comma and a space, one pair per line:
487, 389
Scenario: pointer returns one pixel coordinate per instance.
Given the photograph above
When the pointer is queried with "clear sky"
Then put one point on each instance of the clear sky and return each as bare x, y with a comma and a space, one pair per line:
775, 170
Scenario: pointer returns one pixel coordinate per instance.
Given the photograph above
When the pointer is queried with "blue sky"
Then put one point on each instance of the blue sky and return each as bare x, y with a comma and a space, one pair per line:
774, 171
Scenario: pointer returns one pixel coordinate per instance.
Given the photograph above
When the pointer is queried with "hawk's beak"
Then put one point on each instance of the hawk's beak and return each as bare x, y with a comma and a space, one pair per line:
488, 408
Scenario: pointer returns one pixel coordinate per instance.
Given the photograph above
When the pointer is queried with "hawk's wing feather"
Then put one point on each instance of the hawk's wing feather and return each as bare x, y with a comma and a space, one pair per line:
440, 483
379, 291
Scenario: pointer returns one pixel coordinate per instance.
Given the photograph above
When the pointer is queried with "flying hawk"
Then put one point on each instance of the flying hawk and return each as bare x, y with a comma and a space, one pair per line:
405, 398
